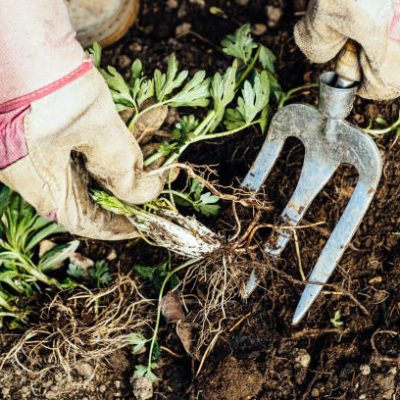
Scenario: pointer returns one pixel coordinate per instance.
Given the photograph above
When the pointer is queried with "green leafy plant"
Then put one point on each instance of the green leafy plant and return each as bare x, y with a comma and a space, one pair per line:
336, 320
21, 271
100, 274
384, 127
215, 107
203, 202
137, 340
238, 97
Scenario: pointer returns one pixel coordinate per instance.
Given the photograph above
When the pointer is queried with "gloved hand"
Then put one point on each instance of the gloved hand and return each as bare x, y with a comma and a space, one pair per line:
66, 107
375, 25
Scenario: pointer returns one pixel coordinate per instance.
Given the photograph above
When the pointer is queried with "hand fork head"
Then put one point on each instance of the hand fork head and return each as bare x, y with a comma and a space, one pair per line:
328, 141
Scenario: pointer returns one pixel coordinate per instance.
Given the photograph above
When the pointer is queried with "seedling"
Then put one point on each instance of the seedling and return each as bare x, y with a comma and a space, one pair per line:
137, 340
21, 231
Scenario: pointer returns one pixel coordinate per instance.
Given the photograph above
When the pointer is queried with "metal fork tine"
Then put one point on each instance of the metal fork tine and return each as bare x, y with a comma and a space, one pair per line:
336, 245
314, 175
263, 165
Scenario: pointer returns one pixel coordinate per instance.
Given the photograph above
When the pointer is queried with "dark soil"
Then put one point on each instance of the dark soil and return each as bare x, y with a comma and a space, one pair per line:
263, 356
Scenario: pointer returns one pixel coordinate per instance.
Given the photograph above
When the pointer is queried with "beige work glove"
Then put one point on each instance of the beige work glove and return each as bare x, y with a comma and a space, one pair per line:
81, 117
374, 24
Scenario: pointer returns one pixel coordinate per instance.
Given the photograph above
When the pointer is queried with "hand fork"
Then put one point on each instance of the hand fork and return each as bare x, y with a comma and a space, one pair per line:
328, 141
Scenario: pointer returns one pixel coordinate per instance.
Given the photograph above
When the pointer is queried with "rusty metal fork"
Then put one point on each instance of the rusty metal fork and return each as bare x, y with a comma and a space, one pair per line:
328, 141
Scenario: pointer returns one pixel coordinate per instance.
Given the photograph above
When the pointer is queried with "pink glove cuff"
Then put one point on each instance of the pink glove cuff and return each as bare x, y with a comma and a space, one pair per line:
395, 24
12, 116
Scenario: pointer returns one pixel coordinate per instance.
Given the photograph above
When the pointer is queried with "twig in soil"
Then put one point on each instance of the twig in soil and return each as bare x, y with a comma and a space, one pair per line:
169, 351
209, 348
239, 322
318, 332
299, 282
374, 347
297, 247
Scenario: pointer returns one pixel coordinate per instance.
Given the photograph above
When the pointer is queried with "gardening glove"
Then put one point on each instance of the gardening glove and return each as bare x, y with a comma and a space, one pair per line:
375, 25
53, 102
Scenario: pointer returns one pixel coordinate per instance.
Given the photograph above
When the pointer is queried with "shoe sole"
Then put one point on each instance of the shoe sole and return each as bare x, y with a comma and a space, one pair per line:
114, 29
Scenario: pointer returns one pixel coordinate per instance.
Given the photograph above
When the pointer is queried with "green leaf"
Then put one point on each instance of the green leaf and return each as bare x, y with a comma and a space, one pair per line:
233, 119
100, 274
156, 354
57, 255
138, 341
223, 92
195, 93
336, 320
240, 45
95, 52
137, 70
254, 97
76, 271
165, 84
151, 376
144, 271
207, 205
140, 371
120, 91
267, 59
50, 229
5, 192
381, 121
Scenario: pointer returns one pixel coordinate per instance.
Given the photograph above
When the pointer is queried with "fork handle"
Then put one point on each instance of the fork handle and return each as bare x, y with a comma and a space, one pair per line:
348, 67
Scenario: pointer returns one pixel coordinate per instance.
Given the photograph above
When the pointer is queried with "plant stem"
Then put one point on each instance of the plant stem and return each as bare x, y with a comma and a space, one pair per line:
249, 68
291, 92
200, 133
154, 157
383, 131
227, 133
160, 296
131, 125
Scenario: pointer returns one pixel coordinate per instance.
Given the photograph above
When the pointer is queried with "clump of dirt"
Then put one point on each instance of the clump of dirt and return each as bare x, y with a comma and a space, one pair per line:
232, 379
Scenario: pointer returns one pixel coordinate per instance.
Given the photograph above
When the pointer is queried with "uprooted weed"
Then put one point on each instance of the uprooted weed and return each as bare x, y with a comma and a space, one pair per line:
83, 327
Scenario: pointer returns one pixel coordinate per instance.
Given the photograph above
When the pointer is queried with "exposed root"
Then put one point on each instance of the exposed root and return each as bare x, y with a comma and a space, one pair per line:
85, 327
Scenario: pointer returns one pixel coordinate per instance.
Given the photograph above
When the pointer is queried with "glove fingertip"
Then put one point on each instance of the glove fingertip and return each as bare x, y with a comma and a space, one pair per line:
318, 45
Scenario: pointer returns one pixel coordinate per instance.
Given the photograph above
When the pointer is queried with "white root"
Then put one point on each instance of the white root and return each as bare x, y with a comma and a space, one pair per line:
182, 235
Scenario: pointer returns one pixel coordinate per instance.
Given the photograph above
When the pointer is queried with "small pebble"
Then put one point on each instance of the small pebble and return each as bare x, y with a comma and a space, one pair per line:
5, 391
303, 358
47, 384
365, 369
112, 256
199, 3
363, 396
274, 15
85, 370
102, 388
183, 29
117, 384
25, 390
242, 2
58, 377
259, 29
124, 61
172, 4
136, 47
315, 393
375, 280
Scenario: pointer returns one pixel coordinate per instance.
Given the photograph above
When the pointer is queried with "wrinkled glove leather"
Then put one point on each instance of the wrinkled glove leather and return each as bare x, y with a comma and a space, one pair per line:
375, 25
80, 117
